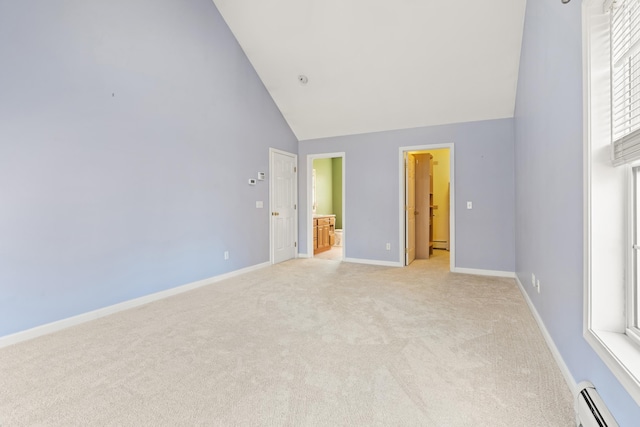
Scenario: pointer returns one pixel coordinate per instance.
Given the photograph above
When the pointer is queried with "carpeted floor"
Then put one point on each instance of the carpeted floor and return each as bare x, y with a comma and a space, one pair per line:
304, 343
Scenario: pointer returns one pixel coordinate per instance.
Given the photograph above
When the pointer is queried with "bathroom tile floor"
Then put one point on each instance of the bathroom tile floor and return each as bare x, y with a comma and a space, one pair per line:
334, 254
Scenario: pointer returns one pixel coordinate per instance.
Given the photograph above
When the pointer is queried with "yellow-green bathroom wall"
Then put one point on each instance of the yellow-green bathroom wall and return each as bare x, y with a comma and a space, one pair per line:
336, 163
324, 186
441, 174
329, 187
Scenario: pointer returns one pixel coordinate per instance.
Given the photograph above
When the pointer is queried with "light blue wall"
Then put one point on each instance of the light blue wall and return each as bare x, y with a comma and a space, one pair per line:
484, 174
549, 189
103, 197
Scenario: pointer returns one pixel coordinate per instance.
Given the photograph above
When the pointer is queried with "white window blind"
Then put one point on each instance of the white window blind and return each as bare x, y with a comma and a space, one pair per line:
625, 80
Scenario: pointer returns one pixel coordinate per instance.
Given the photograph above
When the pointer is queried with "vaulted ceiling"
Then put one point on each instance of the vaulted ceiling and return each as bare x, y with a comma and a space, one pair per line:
375, 65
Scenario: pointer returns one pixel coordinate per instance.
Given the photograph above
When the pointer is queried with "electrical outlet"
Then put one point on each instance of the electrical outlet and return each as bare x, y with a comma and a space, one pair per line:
388, 246
226, 255
533, 280
538, 286
469, 205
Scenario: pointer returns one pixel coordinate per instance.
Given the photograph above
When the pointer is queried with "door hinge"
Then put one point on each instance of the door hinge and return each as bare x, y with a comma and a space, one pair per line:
406, 250
295, 207
295, 169
295, 244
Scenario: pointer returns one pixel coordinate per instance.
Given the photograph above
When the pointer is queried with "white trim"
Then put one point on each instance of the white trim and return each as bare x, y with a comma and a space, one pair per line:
303, 255
620, 355
309, 219
478, 272
571, 382
452, 199
297, 214
374, 262
59, 325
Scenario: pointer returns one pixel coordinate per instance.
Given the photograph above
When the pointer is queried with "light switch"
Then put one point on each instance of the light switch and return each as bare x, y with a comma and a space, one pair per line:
259, 204
469, 205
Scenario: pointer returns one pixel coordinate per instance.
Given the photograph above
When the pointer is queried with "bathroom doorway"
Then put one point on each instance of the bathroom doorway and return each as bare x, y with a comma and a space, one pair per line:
326, 222
427, 203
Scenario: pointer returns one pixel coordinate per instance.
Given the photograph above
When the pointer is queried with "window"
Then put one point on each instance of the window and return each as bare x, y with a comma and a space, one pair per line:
611, 36
624, 33
624, 41
632, 292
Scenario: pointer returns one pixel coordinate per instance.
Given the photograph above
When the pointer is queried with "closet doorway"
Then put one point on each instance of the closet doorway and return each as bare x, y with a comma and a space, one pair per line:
326, 221
427, 203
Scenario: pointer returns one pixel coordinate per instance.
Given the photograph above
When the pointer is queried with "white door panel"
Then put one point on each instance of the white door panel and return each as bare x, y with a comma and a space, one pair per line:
283, 206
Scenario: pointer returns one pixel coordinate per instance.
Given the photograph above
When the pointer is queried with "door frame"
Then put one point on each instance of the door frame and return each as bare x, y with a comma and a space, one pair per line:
272, 151
407, 223
452, 205
309, 219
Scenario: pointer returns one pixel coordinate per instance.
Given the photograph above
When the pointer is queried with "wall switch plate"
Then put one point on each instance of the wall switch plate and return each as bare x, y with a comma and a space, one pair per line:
469, 205
388, 246
226, 255
533, 279
260, 176
538, 286
259, 204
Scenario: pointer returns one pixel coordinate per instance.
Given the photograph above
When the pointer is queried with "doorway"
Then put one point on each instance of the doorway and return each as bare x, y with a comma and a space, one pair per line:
326, 236
427, 226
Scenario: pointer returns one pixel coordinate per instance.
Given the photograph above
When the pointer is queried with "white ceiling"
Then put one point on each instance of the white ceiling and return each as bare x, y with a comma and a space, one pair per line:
377, 65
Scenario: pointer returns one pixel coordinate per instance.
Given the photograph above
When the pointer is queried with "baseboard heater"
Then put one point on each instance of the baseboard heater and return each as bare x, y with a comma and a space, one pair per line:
441, 244
590, 408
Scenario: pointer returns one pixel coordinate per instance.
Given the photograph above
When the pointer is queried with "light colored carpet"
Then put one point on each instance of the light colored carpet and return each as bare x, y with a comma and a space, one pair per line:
303, 343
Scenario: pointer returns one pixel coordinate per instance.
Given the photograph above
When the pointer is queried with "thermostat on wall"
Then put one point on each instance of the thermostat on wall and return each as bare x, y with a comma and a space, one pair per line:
252, 181
260, 176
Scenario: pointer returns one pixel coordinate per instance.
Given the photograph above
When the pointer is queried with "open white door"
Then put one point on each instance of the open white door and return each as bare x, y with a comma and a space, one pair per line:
410, 208
283, 204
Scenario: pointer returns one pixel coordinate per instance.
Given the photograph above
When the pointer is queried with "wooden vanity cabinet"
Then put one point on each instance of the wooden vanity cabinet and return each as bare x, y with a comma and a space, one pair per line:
315, 235
323, 233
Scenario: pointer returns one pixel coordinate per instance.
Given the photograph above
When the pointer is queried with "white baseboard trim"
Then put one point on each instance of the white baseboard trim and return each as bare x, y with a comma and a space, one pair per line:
303, 255
58, 325
571, 382
373, 262
495, 273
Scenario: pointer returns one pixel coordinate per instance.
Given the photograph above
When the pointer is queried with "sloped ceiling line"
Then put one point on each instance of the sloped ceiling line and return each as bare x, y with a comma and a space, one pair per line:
375, 65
